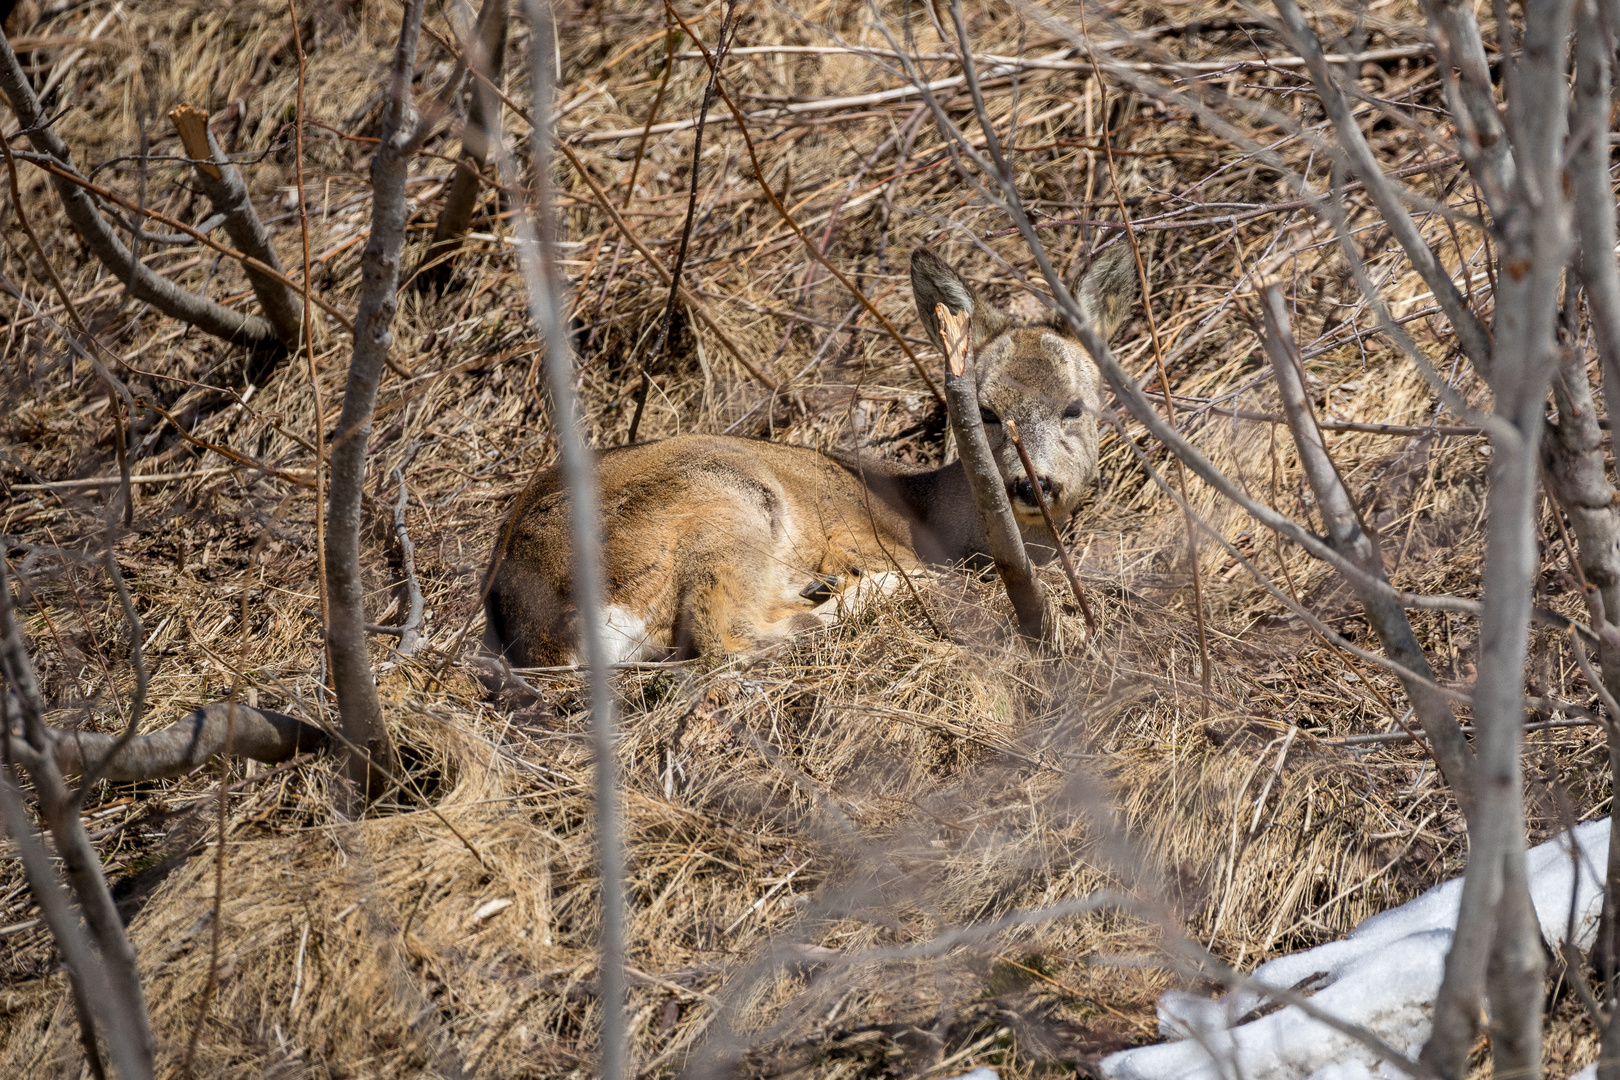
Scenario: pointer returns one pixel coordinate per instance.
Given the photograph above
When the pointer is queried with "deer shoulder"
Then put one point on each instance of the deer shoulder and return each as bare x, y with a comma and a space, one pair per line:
714, 544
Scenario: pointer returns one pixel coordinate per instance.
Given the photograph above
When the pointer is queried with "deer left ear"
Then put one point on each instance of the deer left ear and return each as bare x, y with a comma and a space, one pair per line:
933, 282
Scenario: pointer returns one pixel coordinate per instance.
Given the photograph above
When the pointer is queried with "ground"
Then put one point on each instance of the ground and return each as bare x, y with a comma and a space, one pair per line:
802, 824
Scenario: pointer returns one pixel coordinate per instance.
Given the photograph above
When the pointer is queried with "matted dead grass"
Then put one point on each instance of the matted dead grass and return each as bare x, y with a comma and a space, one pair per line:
865, 787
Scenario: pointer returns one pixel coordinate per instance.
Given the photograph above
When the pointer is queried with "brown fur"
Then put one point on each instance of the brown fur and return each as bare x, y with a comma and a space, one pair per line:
720, 544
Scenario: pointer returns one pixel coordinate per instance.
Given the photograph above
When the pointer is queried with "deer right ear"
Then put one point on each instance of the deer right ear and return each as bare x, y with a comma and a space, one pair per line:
934, 282
1108, 290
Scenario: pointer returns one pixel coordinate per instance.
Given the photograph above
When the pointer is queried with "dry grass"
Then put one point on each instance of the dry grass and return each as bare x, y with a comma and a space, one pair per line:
864, 787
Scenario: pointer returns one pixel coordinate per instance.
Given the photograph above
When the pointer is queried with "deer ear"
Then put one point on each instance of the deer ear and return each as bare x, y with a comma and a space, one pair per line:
934, 282
1108, 290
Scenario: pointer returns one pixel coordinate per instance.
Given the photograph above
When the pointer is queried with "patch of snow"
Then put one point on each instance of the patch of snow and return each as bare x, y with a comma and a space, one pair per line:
985, 1072
1383, 977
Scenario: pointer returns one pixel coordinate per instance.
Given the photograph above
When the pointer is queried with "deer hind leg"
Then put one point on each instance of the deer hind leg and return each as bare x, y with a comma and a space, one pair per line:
751, 595
715, 614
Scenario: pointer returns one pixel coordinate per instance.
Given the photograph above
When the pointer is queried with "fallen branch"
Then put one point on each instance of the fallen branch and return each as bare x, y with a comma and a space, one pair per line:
1000, 66
260, 734
1057, 62
1357, 425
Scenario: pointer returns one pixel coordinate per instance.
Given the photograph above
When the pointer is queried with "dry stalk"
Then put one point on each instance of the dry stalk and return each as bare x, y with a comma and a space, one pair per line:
691, 301
721, 45
776, 203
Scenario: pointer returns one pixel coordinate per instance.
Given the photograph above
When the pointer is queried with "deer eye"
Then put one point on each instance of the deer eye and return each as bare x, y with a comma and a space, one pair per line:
988, 417
1074, 411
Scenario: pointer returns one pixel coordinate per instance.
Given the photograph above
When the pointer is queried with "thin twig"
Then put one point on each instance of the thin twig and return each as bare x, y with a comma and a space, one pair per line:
1057, 538
648, 358
810, 245
409, 637
542, 282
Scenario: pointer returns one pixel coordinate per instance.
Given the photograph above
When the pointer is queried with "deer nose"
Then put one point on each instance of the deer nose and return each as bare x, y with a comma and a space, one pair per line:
1024, 491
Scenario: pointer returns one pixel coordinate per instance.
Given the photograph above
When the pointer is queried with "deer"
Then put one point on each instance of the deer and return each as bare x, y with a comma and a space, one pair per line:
716, 544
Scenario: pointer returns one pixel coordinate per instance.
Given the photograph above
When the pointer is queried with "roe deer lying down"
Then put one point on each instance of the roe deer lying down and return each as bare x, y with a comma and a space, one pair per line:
720, 544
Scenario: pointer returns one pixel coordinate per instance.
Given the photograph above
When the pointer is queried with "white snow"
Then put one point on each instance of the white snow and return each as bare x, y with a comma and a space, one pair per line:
1383, 977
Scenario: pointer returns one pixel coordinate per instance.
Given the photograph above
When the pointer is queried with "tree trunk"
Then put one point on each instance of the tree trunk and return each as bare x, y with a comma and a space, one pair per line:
370, 752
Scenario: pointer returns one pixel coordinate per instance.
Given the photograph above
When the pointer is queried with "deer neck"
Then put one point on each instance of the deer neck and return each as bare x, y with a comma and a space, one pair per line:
936, 504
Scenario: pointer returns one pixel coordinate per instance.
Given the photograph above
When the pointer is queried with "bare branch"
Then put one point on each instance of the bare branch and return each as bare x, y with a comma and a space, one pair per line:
222, 182
98, 236
726, 35
787, 219
137, 659
84, 965
1002, 538
1358, 156
483, 129
1350, 539
80, 863
1594, 194
1467, 76
542, 280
